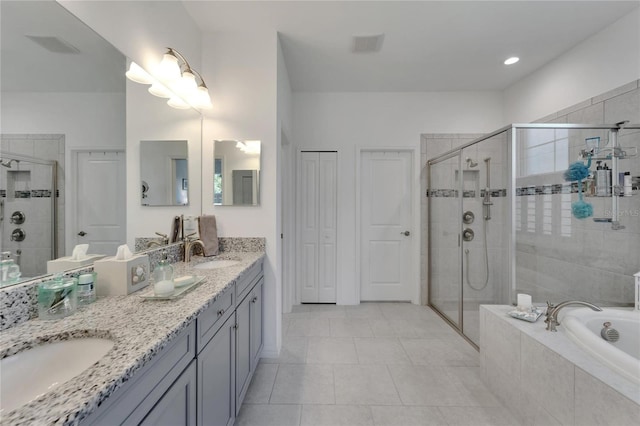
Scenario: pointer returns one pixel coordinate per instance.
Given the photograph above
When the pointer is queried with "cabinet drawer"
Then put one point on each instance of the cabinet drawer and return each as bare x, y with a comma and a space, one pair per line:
131, 403
210, 321
247, 280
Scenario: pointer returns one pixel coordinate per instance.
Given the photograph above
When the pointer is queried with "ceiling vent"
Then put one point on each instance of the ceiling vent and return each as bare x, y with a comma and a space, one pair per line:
54, 44
367, 44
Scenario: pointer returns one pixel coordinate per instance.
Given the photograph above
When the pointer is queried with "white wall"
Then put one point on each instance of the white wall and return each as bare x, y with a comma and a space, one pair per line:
240, 70
150, 118
344, 121
603, 62
94, 120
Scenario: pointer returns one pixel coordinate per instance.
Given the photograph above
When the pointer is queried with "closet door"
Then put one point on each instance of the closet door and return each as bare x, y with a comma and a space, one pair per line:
317, 195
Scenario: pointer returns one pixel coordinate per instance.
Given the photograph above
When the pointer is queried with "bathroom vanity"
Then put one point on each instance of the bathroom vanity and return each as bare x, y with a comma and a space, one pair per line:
185, 361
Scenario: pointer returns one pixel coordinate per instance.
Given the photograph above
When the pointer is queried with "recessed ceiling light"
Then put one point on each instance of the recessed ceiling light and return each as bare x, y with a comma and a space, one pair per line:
512, 60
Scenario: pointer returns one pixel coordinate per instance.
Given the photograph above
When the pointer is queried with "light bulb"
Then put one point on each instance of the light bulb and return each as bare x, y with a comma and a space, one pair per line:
139, 75
201, 98
176, 102
187, 83
160, 91
512, 60
169, 68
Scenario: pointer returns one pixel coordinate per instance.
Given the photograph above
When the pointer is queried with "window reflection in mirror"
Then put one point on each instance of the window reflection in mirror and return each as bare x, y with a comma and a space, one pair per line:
163, 169
236, 179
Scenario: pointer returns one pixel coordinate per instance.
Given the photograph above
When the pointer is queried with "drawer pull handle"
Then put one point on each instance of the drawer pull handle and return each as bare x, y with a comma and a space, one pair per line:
255, 299
221, 312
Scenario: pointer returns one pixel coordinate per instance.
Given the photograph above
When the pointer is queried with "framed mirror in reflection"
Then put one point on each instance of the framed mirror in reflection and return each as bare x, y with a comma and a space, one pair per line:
164, 169
236, 179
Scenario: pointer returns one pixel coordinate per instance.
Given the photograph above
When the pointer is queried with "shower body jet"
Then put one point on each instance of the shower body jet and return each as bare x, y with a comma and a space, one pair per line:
486, 201
470, 163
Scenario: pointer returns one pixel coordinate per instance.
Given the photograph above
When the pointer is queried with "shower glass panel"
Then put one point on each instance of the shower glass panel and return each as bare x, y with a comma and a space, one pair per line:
444, 232
485, 245
28, 212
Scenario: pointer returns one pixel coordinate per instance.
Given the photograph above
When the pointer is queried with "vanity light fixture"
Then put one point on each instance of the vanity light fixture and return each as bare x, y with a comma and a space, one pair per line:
512, 60
177, 81
249, 147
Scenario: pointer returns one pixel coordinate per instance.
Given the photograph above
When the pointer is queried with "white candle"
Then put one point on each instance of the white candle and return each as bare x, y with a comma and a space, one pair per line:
163, 288
524, 302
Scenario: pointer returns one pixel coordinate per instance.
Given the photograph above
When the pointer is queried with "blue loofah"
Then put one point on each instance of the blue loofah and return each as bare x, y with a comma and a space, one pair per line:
581, 210
577, 171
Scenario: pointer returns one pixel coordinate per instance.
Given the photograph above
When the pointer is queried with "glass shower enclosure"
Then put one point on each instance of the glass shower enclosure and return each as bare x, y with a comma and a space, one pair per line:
28, 212
500, 218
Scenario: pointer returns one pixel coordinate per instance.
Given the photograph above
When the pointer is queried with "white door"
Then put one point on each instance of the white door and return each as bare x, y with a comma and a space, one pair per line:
100, 200
385, 220
317, 195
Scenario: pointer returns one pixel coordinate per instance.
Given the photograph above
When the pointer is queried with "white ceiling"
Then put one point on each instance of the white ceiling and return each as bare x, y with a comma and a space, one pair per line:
28, 67
428, 45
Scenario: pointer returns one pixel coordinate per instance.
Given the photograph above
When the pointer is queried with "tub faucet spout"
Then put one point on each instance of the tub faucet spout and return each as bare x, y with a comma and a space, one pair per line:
552, 312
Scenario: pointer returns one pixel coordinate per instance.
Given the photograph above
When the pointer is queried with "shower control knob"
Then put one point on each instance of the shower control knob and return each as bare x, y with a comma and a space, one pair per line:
18, 235
468, 234
406, 233
18, 218
468, 217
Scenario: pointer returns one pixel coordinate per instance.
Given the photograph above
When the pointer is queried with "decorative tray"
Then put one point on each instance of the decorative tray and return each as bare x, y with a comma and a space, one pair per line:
530, 316
176, 293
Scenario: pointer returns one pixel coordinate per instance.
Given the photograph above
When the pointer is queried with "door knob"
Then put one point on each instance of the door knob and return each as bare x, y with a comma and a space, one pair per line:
82, 233
405, 233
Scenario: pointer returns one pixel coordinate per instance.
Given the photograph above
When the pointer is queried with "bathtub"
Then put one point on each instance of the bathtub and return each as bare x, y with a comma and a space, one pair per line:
583, 327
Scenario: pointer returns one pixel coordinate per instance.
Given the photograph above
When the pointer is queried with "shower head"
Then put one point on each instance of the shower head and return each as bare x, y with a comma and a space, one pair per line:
7, 164
470, 162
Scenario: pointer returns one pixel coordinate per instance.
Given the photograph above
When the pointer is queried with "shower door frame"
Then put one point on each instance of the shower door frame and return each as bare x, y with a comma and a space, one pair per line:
54, 192
511, 131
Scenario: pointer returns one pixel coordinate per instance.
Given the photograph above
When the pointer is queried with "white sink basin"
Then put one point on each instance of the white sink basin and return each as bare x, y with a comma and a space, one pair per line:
215, 264
31, 373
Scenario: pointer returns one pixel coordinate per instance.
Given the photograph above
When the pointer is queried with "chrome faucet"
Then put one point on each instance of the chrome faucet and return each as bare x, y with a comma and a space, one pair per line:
552, 312
163, 242
189, 244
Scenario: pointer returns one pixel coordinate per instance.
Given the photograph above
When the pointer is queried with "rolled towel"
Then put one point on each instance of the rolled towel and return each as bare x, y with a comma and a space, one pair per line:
208, 234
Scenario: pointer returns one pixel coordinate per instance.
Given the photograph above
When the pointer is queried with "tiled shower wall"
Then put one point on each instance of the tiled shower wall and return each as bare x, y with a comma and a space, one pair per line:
34, 199
559, 257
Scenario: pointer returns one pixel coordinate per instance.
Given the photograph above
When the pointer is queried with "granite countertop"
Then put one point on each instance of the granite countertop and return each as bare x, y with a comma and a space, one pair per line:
139, 327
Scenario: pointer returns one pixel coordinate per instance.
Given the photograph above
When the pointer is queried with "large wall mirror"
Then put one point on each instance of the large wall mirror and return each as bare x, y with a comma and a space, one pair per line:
66, 107
164, 169
236, 177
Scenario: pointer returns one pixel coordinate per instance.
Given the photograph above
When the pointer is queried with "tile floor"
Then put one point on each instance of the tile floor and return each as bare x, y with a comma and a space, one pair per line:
372, 364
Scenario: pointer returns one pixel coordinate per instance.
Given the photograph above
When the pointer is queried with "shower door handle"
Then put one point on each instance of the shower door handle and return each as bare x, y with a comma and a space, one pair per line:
405, 233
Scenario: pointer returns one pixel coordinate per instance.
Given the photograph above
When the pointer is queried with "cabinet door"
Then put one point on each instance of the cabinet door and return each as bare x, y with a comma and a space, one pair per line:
256, 323
177, 407
243, 349
216, 378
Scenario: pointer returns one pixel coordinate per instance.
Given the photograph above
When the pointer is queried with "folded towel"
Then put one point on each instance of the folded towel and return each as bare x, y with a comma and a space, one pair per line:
208, 234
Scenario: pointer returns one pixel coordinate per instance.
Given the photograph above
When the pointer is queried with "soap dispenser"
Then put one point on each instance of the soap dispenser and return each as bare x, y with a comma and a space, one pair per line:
163, 277
9, 271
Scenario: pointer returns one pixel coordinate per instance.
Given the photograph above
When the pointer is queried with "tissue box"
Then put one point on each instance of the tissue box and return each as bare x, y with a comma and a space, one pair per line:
64, 263
121, 277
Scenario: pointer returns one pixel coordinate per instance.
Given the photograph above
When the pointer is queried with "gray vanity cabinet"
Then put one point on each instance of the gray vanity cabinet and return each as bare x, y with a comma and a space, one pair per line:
145, 392
216, 378
249, 339
177, 407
